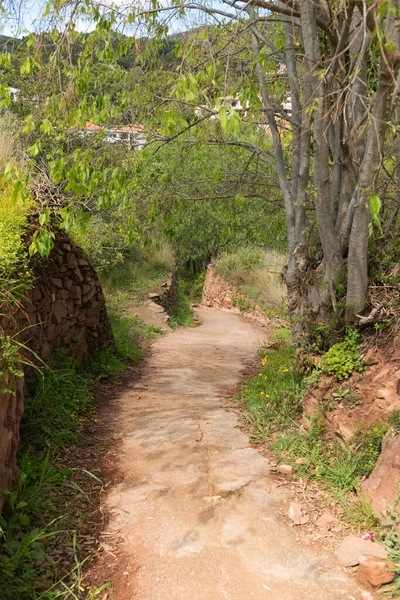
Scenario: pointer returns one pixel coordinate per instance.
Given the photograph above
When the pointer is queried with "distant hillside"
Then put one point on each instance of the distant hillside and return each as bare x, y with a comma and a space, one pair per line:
165, 50
7, 43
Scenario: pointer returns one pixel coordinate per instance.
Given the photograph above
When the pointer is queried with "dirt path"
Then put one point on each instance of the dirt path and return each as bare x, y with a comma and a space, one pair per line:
197, 507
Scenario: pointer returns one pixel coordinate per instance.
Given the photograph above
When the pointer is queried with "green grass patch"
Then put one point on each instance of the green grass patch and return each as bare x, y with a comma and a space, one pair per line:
183, 314
129, 331
274, 397
15, 274
273, 401
131, 280
256, 274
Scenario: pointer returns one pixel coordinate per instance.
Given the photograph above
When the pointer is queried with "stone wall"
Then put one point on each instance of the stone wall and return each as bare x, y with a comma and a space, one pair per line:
65, 308
165, 301
168, 297
217, 293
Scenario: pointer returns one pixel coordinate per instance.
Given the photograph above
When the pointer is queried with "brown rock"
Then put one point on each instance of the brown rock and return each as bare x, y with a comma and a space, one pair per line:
36, 294
326, 520
366, 596
285, 469
71, 260
155, 307
75, 292
352, 547
153, 295
375, 571
381, 486
70, 306
301, 461
77, 276
89, 295
62, 294
59, 311
67, 283
311, 404
91, 321
82, 262
372, 357
297, 514
57, 282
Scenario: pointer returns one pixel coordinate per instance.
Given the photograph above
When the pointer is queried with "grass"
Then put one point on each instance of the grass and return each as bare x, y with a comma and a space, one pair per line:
273, 401
39, 511
15, 206
131, 280
183, 314
129, 283
14, 270
256, 273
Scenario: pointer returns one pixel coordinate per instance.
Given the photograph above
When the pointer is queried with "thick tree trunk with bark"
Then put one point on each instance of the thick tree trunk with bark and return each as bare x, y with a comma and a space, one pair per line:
346, 124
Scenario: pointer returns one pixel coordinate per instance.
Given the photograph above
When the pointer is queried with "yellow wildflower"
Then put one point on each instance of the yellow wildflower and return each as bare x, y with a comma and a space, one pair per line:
267, 395
285, 370
264, 360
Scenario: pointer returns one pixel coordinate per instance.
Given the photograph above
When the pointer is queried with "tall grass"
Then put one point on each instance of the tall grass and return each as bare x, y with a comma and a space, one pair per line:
257, 274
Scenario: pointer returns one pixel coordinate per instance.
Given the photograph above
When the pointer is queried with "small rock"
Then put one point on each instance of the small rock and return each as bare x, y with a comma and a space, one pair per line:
155, 307
375, 571
381, 487
301, 461
326, 520
352, 548
57, 282
371, 357
296, 514
285, 469
366, 596
154, 295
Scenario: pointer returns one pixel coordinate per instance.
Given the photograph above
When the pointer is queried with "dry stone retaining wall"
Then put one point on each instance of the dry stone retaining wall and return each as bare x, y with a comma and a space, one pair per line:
65, 308
218, 293
165, 301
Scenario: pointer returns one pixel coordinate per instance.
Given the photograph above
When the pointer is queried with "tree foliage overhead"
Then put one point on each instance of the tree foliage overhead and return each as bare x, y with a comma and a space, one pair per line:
316, 132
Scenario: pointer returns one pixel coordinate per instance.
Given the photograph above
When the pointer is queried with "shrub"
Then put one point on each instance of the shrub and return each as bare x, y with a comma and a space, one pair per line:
345, 357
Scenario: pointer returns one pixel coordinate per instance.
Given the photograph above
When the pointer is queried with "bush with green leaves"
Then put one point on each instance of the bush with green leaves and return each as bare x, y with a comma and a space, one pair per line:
345, 357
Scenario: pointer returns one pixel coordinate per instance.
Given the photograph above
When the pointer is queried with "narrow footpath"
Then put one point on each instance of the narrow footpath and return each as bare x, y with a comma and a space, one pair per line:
197, 509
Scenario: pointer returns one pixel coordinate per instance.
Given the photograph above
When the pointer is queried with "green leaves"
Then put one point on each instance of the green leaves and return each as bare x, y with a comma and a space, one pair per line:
27, 66
35, 149
47, 127
375, 205
29, 124
229, 118
42, 242
44, 218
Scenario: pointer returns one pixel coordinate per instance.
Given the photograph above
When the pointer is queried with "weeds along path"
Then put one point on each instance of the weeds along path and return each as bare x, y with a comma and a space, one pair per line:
197, 509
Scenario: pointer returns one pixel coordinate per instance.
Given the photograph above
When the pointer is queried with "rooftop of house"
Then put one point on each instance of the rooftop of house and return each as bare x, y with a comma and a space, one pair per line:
135, 128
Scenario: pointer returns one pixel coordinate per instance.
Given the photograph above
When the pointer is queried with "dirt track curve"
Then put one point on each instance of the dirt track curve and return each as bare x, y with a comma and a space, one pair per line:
197, 508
